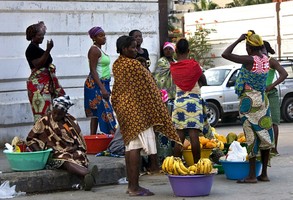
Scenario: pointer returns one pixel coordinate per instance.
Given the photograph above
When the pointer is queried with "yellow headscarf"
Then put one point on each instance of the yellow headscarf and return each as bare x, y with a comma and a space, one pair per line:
254, 39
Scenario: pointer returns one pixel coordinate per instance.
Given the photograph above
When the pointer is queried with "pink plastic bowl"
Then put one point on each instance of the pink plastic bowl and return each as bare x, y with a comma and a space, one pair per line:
191, 186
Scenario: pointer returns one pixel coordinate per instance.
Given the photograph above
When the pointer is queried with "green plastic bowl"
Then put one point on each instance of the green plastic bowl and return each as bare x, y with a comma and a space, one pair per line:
220, 168
27, 161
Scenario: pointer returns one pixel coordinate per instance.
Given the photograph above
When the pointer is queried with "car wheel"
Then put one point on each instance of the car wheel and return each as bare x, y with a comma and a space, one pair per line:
213, 113
287, 110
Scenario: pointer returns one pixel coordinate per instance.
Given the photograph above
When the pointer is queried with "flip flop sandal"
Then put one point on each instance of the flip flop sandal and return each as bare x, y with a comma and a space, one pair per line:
88, 182
246, 181
145, 192
94, 172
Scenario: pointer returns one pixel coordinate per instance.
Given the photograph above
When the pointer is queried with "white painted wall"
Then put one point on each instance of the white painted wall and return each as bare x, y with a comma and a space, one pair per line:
67, 24
230, 23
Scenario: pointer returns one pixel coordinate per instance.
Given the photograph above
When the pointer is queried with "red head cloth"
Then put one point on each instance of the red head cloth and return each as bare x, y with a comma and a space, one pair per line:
185, 74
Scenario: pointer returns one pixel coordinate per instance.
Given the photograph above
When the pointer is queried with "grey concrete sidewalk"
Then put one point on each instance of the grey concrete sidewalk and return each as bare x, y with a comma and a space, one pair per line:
110, 171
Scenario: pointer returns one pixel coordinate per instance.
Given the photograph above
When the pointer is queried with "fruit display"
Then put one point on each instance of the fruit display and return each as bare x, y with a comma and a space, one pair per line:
174, 166
205, 143
241, 138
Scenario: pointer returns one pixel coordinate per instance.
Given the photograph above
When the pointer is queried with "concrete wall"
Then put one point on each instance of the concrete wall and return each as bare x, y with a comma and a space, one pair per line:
230, 23
67, 24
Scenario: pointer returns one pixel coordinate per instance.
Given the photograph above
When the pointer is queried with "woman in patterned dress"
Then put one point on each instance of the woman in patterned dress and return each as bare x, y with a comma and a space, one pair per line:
164, 81
97, 86
42, 85
254, 108
189, 113
60, 131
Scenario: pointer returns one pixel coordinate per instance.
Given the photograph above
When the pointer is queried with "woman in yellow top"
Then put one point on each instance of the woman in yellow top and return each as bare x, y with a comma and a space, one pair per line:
97, 86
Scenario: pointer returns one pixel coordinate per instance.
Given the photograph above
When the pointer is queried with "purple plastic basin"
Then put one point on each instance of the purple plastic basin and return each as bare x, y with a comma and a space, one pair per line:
239, 170
191, 186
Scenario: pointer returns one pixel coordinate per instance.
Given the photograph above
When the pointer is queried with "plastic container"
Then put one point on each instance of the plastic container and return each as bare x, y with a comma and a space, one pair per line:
27, 161
191, 186
97, 143
239, 170
220, 168
187, 155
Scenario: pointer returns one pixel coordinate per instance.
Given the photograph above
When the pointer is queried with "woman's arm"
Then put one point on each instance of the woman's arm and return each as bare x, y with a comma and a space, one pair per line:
39, 62
227, 54
282, 74
93, 55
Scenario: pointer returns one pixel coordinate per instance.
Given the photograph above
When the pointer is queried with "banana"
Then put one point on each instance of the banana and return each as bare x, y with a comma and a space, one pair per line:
191, 172
170, 165
193, 169
202, 167
207, 166
199, 163
175, 170
163, 165
180, 171
182, 166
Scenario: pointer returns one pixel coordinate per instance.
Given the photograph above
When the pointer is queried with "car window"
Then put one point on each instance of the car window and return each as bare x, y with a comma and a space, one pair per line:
287, 63
233, 78
216, 77
289, 69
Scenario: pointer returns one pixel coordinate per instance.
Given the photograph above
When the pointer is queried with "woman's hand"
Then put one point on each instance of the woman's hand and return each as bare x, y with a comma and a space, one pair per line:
105, 94
71, 149
50, 44
242, 37
269, 88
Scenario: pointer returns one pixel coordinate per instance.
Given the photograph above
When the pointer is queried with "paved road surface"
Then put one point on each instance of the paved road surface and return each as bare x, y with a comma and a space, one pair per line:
280, 187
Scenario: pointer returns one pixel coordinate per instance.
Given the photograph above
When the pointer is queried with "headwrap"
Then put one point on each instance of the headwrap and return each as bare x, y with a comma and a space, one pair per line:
94, 31
253, 39
62, 103
185, 74
164, 95
169, 44
268, 47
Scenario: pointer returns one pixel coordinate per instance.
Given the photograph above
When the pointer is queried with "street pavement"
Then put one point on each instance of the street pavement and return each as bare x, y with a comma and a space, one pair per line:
280, 187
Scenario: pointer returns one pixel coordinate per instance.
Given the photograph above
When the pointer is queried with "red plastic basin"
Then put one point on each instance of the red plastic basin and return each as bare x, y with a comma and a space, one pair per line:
97, 143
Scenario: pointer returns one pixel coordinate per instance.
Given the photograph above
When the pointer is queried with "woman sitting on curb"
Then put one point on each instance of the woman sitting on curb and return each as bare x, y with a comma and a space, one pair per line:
60, 131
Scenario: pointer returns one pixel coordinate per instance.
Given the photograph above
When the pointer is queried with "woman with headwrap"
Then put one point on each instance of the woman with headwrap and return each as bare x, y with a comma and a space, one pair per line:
42, 85
60, 131
140, 111
189, 113
254, 109
164, 81
97, 86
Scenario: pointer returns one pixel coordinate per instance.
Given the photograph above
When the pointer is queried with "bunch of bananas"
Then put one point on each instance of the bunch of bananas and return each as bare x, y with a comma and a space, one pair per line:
204, 166
174, 166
